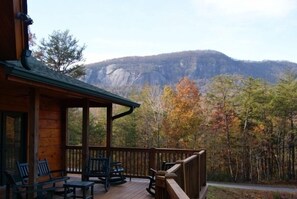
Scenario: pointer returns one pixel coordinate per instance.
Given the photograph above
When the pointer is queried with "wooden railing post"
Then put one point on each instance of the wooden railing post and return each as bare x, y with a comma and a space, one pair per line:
202, 170
160, 191
167, 187
152, 158
198, 174
202, 174
181, 180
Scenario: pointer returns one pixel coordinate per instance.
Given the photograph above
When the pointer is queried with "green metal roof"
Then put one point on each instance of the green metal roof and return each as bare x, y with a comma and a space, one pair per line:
42, 74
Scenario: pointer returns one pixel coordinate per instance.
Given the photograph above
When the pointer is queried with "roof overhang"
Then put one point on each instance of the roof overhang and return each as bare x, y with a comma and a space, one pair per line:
47, 79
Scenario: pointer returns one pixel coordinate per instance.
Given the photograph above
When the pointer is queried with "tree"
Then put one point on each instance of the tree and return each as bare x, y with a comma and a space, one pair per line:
285, 107
183, 116
74, 126
254, 106
97, 127
224, 120
62, 53
150, 116
32, 38
124, 130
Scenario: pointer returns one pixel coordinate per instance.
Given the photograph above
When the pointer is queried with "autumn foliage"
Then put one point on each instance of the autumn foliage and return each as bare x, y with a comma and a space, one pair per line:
247, 126
183, 114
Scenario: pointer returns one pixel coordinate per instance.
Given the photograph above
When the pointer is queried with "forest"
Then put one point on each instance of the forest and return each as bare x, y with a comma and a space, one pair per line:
247, 125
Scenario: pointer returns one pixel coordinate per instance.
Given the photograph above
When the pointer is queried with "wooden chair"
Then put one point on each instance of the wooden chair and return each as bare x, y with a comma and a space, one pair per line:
56, 177
19, 190
53, 175
117, 173
152, 184
23, 169
99, 168
45, 175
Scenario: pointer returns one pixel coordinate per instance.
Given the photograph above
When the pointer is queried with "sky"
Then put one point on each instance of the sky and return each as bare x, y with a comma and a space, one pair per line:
242, 29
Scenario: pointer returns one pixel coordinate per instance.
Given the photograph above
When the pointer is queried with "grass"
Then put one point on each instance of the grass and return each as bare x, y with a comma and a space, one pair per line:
229, 193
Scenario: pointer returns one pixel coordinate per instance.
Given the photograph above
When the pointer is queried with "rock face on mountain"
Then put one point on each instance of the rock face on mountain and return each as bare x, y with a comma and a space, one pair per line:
168, 69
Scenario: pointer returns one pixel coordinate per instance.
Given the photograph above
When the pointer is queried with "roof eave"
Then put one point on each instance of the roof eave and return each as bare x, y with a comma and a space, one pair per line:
41, 79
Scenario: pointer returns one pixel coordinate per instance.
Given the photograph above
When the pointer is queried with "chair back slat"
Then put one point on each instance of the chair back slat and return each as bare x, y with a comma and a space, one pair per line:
98, 166
23, 169
43, 168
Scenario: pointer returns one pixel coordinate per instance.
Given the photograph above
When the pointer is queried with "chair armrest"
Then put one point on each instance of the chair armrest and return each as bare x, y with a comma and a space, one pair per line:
115, 164
153, 171
59, 174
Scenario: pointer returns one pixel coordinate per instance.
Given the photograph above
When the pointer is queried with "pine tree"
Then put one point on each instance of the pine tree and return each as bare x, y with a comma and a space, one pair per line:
62, 53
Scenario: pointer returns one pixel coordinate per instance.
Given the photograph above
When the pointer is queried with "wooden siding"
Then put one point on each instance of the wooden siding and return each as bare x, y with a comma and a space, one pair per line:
50, 137
13, 99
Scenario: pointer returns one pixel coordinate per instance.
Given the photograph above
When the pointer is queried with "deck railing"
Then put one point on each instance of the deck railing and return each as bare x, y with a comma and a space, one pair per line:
187, 179
136, 161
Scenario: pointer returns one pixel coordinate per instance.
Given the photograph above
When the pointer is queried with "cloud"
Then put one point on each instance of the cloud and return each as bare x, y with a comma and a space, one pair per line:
256, 8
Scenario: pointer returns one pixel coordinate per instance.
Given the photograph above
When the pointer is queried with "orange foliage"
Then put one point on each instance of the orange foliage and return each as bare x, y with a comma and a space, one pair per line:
183, 113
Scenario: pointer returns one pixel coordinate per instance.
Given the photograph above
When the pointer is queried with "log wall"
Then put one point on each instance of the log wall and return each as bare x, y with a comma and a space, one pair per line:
50, 138
16, 99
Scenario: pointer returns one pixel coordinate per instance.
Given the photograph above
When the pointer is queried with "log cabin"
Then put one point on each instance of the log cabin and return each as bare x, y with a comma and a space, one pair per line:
33, 117
34, 100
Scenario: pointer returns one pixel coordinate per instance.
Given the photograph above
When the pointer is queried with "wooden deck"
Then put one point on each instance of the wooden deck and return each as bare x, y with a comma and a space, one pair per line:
130, 190
134, 189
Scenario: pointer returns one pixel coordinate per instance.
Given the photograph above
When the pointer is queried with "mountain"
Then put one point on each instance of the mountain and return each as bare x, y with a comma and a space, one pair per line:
168, 69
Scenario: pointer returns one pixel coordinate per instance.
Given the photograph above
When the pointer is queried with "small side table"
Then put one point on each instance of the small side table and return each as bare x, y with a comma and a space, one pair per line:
83, 185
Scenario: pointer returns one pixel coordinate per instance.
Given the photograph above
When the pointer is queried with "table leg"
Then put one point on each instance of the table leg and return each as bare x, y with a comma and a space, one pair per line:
65, 192
84, 192
7, 191
74, 192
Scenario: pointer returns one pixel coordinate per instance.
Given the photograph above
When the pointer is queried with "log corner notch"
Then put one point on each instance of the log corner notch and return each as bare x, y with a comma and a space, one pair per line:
14, 29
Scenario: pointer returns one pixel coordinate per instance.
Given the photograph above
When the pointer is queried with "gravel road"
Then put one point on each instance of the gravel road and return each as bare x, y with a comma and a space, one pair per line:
277, 188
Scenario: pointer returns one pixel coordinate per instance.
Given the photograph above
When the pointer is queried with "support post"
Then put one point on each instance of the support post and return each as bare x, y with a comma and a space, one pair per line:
64, 134
85, 136
108, 129
33, 137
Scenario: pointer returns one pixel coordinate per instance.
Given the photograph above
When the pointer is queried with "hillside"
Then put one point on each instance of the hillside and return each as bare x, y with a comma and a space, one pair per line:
167, 69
